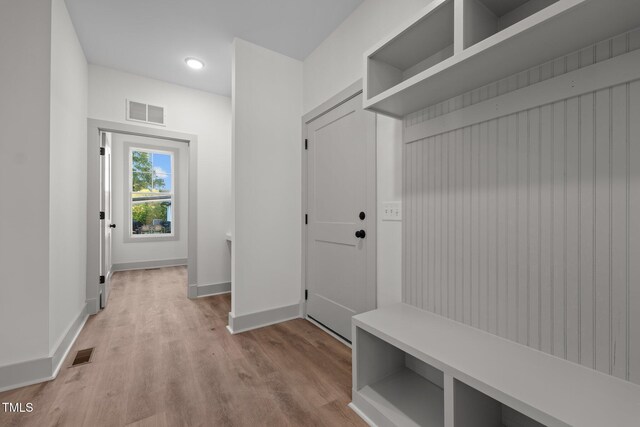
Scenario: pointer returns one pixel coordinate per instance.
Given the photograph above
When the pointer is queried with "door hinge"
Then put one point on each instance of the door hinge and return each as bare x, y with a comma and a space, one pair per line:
102, 279
306, 219
306, 294
101, 215
102, 151
306, 144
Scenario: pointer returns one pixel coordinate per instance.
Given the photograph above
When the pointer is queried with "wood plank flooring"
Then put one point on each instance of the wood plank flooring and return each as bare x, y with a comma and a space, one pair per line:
163, 360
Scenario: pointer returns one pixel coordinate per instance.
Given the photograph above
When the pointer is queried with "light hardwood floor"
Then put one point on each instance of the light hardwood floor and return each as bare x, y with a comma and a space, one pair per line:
163, 360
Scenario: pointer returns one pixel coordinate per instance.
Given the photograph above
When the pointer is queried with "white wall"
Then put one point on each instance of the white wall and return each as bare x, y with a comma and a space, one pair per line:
68, 175
389, 180
267, 111
43, 81
190, 111
128, 252
25, 48
337, 62
333, 66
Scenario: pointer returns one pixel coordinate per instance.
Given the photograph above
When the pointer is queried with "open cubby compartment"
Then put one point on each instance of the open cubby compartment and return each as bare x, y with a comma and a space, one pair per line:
484, 18
419, 47
401, 389
474, 408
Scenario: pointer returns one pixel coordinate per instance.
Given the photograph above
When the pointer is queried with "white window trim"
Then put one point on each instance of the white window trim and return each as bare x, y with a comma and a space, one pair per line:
129, 237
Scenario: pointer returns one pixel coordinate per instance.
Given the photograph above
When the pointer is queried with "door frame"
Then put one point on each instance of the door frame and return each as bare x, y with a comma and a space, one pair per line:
335, 101
94, 127
106, 170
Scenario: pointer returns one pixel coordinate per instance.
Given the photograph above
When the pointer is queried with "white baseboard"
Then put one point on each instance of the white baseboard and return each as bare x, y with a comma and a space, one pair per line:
142, 265
65, 344
247, 322
213, 289
93, 306
46, 368
192, 291
361, 414
25, 373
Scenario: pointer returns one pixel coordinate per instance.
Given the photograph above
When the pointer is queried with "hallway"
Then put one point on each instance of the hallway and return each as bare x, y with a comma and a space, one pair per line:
163, 360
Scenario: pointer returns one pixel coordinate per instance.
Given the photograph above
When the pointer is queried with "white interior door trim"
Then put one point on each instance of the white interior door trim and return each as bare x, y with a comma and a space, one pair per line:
94, 127
106, 195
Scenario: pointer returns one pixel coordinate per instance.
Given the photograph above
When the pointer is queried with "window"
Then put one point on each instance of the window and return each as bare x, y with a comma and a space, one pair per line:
151, 193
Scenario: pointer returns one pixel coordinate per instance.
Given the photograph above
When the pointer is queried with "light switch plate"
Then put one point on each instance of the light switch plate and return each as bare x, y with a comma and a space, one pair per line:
392, 211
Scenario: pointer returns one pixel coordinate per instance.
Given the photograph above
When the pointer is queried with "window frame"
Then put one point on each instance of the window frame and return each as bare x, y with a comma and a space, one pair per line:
128, 235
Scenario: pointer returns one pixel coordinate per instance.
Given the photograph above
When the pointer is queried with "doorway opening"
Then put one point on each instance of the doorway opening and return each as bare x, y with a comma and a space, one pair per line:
141, 204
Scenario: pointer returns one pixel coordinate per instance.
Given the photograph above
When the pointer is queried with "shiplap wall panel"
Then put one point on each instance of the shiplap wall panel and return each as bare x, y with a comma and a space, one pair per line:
502, 255
633, 254
419, 218
522, 214
546, 223
405, 228
428, 296
460, 263
586, 222
447, 259
474, 278
512, 226
533, 252
467, 240
526, 225
557, 225
435, 233
603, 228
572, 230
481, 131
619, 225
449, 145
492, 244
522, 226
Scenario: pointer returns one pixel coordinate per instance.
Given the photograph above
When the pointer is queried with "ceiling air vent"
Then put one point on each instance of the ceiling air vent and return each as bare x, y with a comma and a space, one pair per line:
140, 112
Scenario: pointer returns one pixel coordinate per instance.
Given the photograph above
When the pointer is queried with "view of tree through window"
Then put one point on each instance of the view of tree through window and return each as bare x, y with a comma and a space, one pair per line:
152, 192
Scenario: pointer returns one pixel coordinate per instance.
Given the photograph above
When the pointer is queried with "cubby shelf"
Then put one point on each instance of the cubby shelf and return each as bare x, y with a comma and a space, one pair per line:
455, 46
407, 399
412, 367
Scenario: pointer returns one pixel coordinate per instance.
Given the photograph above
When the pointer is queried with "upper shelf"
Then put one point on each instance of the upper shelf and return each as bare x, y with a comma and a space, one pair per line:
423, 44
455, 46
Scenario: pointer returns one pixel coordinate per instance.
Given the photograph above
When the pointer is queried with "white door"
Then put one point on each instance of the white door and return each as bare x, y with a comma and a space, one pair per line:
105, 224
341, 209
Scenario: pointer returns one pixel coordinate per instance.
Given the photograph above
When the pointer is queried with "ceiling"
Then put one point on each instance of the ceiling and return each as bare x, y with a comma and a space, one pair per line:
153, 37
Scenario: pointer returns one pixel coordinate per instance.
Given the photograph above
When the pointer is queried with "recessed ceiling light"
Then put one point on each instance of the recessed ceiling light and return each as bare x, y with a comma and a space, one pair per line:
194, 63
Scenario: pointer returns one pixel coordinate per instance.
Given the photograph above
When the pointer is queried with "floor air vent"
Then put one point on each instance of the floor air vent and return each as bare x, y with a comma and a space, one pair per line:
83, 357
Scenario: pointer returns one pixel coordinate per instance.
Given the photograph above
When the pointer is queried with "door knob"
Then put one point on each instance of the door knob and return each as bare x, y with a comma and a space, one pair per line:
362, 216
112, 225
361, 234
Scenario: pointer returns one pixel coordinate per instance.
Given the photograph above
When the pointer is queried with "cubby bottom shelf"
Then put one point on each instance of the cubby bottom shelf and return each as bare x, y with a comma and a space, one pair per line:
404, 398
